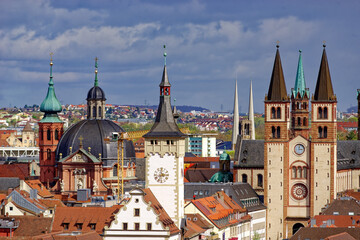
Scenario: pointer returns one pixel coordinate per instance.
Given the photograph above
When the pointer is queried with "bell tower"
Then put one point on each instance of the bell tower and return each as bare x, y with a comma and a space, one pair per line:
164, 152
300, 104
323, 140
50, 131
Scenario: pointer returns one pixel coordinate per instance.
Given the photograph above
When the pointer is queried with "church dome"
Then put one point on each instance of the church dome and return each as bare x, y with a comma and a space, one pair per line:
225, 156
96, 93
93, 133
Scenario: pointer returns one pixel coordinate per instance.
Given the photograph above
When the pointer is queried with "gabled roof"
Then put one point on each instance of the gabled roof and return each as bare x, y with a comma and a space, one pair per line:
31, 226
41, 189
15, 170
277, 89
342, 207
323, 233
81, 151
338, 220
101, 216
249, 154
163, 216
324, 89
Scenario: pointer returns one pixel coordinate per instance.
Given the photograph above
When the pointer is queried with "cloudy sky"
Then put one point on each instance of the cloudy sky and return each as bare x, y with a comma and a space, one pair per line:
208, 44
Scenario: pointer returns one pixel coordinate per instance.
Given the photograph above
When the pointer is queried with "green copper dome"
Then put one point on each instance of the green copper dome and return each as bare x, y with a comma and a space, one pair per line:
222, 177
224, 156
51, 105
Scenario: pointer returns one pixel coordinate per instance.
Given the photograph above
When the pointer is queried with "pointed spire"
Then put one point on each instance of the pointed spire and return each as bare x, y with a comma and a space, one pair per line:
251, 114
165, 125
300, 85
96, 83
277, 88
324, 90
51, 105
235, 129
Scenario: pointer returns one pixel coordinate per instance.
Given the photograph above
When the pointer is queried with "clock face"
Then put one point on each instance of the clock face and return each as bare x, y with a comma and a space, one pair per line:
299, 149
299, 191
161, 175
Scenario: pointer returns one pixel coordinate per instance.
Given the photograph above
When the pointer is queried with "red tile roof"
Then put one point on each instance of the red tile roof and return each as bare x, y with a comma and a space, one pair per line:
31, 226
42, 191
19, 170
339, 220
163, 216
101, 216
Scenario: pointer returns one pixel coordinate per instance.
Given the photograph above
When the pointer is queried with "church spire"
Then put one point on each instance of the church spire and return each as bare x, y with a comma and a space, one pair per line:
300, 85
324, 89
251, 114
235, 117
277, 88
51, 105
165, 125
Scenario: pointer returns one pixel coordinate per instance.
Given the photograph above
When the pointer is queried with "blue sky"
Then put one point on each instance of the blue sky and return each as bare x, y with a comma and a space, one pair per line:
208, 44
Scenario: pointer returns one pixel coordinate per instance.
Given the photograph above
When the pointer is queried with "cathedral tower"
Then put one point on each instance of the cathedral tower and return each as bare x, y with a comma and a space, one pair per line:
50, 132
300, 104
96, 99
277, 124
164, 152
323, 140
247, 126
235, 130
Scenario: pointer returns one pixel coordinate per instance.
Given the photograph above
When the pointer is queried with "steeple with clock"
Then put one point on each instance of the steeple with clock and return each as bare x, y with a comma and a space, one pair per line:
164, 152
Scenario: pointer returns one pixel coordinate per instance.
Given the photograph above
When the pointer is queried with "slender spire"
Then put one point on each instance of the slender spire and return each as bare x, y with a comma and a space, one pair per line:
96, 83
300, 85
277, 88
165, 125
235, 117
324, 89
251, 114
165, 54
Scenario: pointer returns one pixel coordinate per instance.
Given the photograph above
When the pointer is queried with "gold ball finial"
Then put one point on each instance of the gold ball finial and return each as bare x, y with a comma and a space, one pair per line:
51, 54
324, 43
277, 43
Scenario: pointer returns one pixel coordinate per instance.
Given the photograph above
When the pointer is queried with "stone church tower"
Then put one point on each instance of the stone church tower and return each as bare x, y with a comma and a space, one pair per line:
164, 152
50, 131
299, 161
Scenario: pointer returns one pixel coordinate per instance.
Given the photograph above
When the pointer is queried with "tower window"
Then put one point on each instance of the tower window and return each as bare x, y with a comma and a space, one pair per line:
48, 134
325, 113
305, 105
325, 132
320, 113
299, 172
299, 121
244, 178
304, 172
115, 171
41, 135
273, 132
278, 132
100, 111
305, 122
56, 134
320, 130
278, 113
48, 153
273, 112
297, 105
260, 180
293, 122
94, 112
294, 172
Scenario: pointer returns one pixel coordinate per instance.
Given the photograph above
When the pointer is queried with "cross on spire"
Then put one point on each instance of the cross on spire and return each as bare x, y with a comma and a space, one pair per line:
81, 141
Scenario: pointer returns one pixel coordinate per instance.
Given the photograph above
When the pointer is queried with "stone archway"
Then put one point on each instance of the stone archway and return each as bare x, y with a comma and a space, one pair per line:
296, 227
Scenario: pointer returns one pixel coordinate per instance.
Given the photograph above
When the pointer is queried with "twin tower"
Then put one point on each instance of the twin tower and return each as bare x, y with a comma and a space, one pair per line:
299, 149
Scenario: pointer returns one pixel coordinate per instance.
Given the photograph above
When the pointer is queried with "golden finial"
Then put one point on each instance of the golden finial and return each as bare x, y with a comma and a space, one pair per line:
51, 54
277, 43
324, 43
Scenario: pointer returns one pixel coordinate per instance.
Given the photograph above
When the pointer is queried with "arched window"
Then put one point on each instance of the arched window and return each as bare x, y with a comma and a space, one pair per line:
297, 105
293, 122
260, 180
293, 172
273, 132
320, 130
48, 134
244, 178
325, 132
325, 112
41, 135
320, 112
305, 105
115, 171
278, 113
48, 154
94, 112
278, 132
299, 121
296, 227
305, 121
100, 112
273, 112
299, 175
304, 172
56, 134
293, 106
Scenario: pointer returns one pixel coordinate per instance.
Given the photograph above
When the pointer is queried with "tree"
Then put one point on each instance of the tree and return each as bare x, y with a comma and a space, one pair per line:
351, 135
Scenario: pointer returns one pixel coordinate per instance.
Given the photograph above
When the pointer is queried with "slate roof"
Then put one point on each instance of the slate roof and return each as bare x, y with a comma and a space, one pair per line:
96, 93
348, 155
93, 132
239, 192
277, 88
200, 174
342, 207
8, 182
324, 89
323, 233
249, 154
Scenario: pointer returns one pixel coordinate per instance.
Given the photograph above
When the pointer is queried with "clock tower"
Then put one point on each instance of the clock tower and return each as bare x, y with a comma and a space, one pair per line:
164, 152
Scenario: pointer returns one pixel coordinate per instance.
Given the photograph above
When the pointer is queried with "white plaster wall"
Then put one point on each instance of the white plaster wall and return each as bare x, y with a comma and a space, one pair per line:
14, 212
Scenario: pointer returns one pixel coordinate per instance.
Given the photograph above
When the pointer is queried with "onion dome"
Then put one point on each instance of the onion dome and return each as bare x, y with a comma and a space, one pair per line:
224, 156
96, 93
51, 105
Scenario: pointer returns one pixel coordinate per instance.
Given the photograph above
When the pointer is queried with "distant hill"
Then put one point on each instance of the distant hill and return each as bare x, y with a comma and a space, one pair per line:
180, 108
352, 109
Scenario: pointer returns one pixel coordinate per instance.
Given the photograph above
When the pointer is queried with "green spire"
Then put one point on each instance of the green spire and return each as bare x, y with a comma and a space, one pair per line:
165, 54
51, 105
96, 84
300, 86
